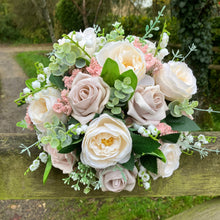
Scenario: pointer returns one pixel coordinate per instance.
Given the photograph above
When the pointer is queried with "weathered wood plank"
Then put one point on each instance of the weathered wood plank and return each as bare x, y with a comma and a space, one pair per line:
194, 177
204, 211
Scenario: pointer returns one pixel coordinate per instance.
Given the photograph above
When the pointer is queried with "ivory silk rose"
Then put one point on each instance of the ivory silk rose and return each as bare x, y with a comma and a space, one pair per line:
176, 81
147, 106
107, 141
172, 153
126, 55
41, 110
64, 162
87, 96
117, 178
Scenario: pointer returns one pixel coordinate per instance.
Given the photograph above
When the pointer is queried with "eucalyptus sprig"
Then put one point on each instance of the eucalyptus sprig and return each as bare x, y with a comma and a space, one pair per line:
152, 27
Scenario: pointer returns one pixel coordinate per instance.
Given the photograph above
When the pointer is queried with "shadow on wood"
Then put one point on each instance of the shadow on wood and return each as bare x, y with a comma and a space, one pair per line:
194, 176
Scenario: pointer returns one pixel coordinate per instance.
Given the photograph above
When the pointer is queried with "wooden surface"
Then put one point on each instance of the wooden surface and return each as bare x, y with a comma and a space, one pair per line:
208, 210
194, 177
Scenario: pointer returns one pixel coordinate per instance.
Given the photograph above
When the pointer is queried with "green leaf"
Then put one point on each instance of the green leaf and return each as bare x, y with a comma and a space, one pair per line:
72, 121
149, 162
181, 124
54, 142
119, 94
118, 84
80, 63
110, 72
170, 138
130, 164
127, 81
158, 153
132, 76
71, 147
28, 83
21, 124
116, 110
47, 169
57, 81
143, 144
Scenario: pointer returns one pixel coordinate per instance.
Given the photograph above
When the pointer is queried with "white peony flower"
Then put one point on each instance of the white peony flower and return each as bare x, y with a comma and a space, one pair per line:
176, 81
126, 55
41, 110
107, 141
172, 153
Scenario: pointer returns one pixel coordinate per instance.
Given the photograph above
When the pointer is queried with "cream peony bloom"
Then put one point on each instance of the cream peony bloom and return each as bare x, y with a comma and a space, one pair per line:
107, 141
176, 81
126, 55
117, 178
88, 96
41, 110
172, 153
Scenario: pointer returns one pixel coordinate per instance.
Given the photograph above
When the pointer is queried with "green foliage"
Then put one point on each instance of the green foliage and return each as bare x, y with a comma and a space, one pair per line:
215, 31
196, 28
170, 138
182, 123
27, 60
68, 18
130, 164
47, 169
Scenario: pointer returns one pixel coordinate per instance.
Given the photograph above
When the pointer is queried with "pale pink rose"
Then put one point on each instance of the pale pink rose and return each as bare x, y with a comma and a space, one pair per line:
107, 141
117, 178
147, 106
64, 162
176, 81
41, 110
172, 153
88, 96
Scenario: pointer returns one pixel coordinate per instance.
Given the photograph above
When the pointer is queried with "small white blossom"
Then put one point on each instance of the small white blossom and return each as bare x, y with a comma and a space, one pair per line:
146, 133
142, 168
162, 53
79, 36
141, 130
26, 90
146, 185
29, 99
141, 173
71, 126
136, 126
189, 138
34, 165
154, 131
202, 138
197, 145
78, 131
43, 157
145, 177
48, 81
84, 128
41, 78
47, 71
165, 40
36, 84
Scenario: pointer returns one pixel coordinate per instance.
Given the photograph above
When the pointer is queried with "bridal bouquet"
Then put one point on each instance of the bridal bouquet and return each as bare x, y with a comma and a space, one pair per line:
109, 111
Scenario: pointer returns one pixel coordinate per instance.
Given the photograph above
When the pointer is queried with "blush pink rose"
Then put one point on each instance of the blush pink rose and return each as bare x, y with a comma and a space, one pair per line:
117, 178
88, 96
147, 106
64, 162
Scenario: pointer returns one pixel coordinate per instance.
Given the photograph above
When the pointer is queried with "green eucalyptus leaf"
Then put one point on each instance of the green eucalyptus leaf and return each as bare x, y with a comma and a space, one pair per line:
116, 110
127, 80
71, 147
80, 63
119, 94
54, 142
118, 84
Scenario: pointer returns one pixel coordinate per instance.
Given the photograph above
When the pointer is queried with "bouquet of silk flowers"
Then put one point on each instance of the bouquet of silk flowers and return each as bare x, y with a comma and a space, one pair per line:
109, 111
